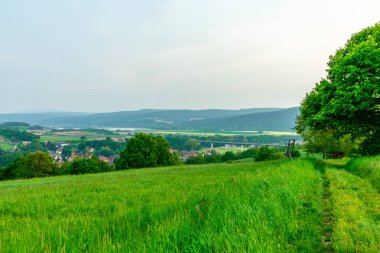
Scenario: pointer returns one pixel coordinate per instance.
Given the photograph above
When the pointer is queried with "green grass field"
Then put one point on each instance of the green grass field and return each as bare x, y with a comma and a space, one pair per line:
255, 207
245, 206
353, 204
356, 213
4, 144
367, 168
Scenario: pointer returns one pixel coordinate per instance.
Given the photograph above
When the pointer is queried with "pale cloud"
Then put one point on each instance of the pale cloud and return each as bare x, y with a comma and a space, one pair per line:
70, 55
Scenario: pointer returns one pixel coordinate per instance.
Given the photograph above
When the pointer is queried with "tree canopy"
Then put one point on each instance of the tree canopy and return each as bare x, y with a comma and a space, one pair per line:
347, 101
145, 150
87, 165
38, 164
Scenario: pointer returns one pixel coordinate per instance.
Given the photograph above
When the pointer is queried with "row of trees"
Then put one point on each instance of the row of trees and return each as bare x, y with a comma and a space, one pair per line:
188, 143
142, 151
40, 164
259, 154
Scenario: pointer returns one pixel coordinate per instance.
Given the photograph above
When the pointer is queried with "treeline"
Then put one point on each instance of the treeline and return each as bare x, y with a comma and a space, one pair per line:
193, 142
106, 144
88, 130
40, 164
13, 124
18, 125
264, 153
141, 151
15, 135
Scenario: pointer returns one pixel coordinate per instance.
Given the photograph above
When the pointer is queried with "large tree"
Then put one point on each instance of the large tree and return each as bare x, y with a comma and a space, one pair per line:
347, 101
145, 150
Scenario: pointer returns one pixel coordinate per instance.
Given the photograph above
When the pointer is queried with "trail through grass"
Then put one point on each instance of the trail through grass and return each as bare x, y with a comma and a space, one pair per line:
355, 209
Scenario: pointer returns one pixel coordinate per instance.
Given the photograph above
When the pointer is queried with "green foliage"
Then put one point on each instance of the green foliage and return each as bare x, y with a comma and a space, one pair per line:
178, 141
34, 146
87, 165
248, 153
348, 100
36, 127
265, 153
228, 156
105, 151
213, 158
371, 144
15, 135
13, 124
98, 145
51, 146
38, 164
7, 157
192, 144
198, 159
66, 152
250, 207
145, 150
329, 145
296, 153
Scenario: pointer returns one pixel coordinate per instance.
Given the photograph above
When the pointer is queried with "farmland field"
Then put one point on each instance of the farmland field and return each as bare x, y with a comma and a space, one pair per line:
4, 144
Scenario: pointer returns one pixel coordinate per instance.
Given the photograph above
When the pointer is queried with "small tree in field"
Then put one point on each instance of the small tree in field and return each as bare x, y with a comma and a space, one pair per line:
145, 150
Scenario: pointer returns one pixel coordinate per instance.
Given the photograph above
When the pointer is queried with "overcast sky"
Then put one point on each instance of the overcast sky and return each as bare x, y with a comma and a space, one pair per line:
110, 55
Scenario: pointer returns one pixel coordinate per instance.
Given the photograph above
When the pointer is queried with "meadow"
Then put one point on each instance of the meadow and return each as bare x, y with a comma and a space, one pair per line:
256, 207
302, 205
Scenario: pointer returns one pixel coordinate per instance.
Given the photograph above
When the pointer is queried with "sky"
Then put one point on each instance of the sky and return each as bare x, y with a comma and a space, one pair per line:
118, 55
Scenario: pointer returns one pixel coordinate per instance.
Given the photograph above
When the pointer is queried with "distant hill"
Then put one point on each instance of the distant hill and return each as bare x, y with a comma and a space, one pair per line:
275, 119
279, 120
36, 118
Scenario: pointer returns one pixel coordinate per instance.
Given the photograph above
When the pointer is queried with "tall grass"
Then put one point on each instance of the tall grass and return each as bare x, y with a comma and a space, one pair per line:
356, 212
246, 207
366, 167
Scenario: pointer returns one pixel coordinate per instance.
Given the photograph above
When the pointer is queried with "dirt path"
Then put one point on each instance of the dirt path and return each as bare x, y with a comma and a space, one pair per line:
327, 226
350, 211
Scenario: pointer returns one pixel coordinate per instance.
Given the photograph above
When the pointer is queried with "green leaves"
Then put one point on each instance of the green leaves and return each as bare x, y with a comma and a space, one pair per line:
146, 151
348, 100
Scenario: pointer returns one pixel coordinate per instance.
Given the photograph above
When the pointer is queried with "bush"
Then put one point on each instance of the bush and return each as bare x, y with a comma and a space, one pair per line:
265, 154
38, 164
228, 156
87, 165
249, 153
199, 159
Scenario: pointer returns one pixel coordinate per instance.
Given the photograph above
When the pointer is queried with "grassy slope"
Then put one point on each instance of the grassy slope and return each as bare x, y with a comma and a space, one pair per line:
256, 207
368, 168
